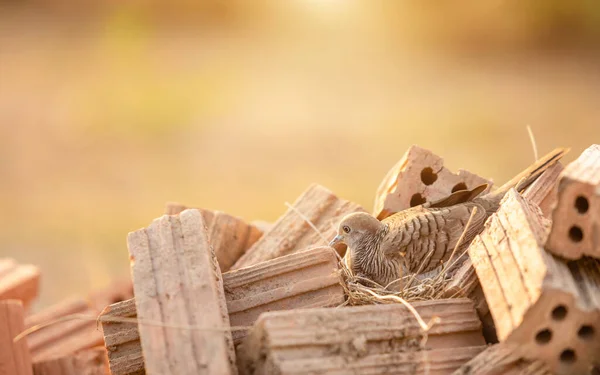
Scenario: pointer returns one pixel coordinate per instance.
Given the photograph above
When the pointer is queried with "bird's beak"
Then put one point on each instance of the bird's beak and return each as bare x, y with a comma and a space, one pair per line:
338, 239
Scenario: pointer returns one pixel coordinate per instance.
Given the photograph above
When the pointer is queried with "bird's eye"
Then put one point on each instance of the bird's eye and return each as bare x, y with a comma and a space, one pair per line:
346, 228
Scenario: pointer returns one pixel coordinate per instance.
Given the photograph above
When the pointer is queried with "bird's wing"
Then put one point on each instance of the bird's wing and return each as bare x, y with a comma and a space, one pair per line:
401, 216
458, 197
427, 237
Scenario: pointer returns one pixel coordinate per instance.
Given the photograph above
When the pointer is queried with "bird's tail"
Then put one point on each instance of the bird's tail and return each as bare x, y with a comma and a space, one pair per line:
527, 176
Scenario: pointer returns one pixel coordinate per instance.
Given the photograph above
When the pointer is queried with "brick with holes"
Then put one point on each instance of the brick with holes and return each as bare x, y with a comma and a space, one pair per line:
301, 280
576, 225
374, 339
419, 177
549, 307
464, 282
292, 233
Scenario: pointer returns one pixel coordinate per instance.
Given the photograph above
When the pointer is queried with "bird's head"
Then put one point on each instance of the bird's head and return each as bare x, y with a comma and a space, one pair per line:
354, 228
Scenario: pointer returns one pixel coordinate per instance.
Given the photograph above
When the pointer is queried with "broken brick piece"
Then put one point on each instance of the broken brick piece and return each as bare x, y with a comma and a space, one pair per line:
291, 232
543, 190
502, 359
464, 283
177, 282
576, 218
420, 177
262, 225
18, 281
283, 340
229, 235
305, 279
174, 208
425, 362
122, 339
538, 301
66, 337
86, 362
15, 358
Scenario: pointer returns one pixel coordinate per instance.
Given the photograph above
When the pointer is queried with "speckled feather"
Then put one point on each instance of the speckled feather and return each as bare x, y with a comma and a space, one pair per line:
427, 236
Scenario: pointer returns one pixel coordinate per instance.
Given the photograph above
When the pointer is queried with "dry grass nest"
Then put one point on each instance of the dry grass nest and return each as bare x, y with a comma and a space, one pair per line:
362, 291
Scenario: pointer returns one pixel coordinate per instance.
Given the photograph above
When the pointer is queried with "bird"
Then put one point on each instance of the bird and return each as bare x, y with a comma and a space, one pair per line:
420, 239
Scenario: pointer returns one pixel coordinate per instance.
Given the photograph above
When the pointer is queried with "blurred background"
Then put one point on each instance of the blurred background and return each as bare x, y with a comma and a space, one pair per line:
110, 109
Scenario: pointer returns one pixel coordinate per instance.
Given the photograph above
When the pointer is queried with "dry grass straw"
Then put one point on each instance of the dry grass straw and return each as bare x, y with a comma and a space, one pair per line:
533, 143
112, 319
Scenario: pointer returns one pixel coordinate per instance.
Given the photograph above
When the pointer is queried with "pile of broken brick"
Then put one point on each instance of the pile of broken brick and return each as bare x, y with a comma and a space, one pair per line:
216, 295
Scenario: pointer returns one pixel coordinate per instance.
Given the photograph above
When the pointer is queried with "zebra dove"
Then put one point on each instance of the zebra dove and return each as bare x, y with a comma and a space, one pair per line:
420, 239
